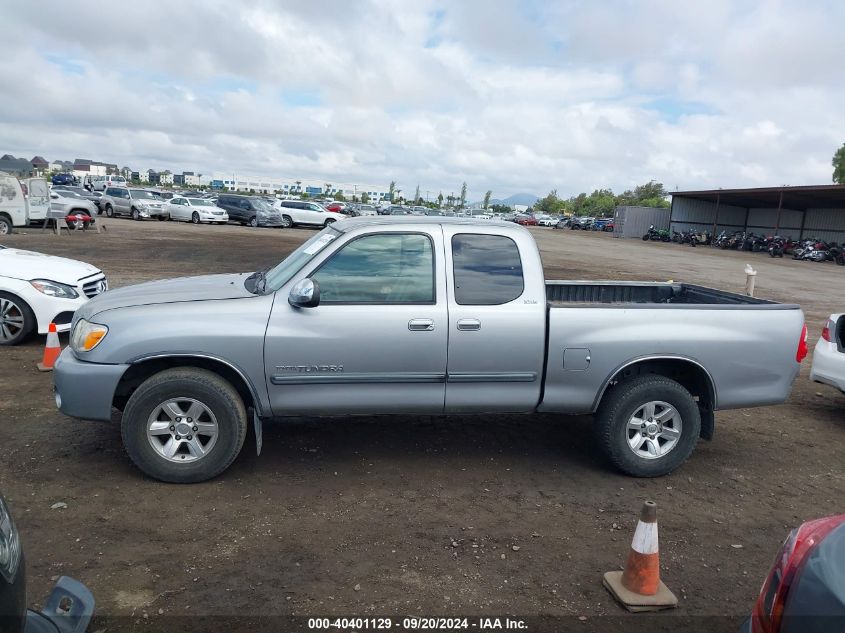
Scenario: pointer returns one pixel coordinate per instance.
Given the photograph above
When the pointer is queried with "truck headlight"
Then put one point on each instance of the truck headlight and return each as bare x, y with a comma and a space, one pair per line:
54, 289
10, 544
86, 336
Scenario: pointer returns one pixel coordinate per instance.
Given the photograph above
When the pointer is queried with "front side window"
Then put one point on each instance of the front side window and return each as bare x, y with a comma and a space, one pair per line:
487, 269
384, 268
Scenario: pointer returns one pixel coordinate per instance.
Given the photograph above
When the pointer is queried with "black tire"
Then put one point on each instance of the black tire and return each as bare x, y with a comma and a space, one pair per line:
19, 309
253, 221
646, 237
195, 218
6, 227
665, 238
185, 382
287, 222
73, 225
135, 215
330, 221
162, 218
622, 401
109, 211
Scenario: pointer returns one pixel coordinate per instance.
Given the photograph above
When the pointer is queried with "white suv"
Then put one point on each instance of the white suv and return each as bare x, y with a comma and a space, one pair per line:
100, 183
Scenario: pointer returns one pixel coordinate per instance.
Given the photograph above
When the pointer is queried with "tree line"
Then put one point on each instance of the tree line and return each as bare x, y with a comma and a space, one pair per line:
602, 202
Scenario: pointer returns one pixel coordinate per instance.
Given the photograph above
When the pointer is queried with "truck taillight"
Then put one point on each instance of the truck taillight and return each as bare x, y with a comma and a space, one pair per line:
801, 352
768, 610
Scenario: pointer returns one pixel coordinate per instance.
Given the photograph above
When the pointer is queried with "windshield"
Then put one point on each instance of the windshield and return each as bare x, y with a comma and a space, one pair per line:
143, 194
201, 202
281, 273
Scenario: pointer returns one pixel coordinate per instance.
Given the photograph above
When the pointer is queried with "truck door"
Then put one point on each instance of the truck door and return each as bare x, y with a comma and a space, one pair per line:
376, 343
38, 200
497, 321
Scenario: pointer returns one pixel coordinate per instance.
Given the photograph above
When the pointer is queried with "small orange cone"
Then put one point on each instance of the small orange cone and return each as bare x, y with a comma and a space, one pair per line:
51, 350
639, 587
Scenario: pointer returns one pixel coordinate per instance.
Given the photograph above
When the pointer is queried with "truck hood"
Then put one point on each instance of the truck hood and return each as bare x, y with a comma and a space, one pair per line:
203, 288
29, 265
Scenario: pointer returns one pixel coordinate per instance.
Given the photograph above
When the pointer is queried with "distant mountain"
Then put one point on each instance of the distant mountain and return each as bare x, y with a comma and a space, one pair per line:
527, 199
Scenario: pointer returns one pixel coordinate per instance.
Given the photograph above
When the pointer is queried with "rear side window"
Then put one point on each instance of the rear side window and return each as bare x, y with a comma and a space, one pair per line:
487, 269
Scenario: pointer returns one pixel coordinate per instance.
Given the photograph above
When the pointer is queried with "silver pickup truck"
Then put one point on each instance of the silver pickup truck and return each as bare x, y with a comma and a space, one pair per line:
417, 315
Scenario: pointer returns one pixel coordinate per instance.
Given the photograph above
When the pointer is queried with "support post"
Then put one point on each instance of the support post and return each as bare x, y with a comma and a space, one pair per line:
780, 209
716, 217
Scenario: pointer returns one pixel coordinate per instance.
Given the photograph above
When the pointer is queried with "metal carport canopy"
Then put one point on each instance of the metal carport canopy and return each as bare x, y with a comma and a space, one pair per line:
800, 198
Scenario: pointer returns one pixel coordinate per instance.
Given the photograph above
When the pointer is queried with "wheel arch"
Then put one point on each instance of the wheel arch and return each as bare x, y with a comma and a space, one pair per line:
689, 373
142, 368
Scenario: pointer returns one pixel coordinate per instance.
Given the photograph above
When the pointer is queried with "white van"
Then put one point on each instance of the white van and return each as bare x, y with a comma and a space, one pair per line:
12, 203
100, 183
37, 199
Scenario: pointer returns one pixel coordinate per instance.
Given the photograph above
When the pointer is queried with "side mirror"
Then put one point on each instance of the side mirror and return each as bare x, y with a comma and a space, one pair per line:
305, 294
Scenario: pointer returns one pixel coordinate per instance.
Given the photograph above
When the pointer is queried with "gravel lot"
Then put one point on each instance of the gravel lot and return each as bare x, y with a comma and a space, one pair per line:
414, 515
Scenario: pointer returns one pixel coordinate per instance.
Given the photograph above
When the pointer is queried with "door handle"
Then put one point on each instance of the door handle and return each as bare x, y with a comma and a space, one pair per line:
421, 325
469, 324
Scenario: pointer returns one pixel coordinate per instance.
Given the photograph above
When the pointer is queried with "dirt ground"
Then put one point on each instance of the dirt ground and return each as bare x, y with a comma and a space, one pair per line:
418, 516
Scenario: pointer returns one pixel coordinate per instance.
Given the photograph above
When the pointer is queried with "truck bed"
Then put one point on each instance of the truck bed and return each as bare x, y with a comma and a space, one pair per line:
623, 293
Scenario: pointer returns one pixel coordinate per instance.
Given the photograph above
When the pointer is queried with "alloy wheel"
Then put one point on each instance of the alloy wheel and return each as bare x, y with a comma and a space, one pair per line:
11, 319
182, 430
654, 429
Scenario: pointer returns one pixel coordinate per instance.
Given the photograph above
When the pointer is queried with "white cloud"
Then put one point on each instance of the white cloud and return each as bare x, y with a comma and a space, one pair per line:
507, 95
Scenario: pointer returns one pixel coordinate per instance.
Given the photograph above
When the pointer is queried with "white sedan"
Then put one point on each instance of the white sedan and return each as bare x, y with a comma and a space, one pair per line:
829, 356
196, 210
36, 290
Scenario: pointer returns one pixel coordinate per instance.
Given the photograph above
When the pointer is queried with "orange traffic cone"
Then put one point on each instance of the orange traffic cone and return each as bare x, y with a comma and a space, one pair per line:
51, 350
639, 587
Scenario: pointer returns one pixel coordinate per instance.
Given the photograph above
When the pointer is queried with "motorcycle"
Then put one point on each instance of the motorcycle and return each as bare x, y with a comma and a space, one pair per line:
656, 235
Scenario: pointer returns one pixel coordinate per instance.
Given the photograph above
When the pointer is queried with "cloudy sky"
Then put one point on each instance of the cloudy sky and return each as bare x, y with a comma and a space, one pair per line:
511, 96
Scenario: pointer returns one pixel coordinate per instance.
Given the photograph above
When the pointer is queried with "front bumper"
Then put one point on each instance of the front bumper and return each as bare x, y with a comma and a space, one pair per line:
828, 365
85, 390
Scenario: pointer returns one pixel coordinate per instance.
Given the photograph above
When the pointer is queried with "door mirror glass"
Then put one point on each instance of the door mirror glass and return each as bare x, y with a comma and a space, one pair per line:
305, 294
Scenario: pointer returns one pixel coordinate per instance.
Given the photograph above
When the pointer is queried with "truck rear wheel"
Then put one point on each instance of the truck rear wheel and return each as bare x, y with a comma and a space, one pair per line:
648, 426
5, 225
184, 425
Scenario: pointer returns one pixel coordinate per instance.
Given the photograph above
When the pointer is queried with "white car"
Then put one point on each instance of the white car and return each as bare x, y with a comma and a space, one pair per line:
547, 220
37, 289
829, 356
302, 212
196, 210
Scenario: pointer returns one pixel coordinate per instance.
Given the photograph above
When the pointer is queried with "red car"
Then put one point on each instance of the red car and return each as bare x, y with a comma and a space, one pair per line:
805, 589
336, 207
525, 220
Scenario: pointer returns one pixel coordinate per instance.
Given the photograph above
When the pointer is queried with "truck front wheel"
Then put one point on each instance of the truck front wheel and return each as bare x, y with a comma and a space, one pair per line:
648, 426
184, 425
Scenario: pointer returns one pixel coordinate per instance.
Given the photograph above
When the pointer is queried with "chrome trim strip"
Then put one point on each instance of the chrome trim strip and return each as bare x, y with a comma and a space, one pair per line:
329, 378
492, 376
357, 378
